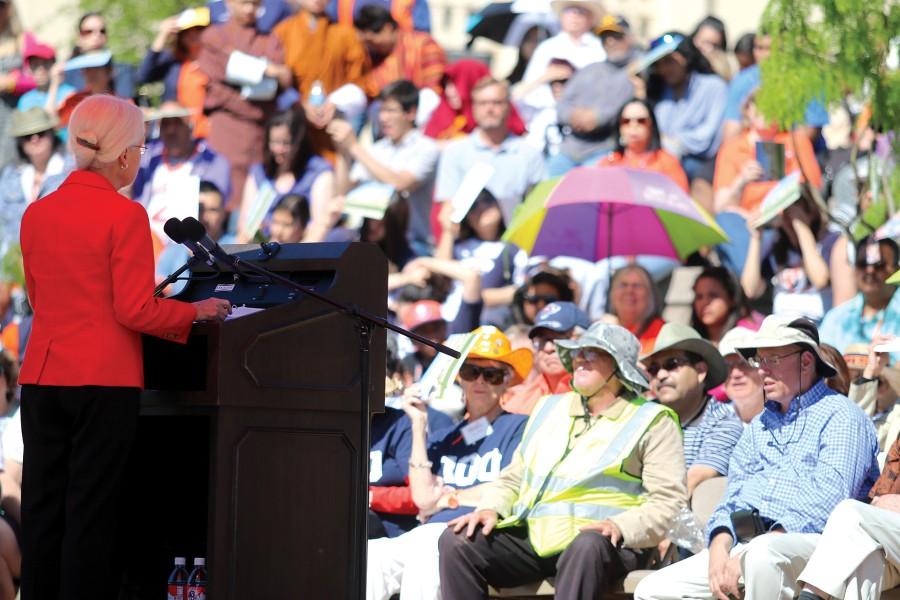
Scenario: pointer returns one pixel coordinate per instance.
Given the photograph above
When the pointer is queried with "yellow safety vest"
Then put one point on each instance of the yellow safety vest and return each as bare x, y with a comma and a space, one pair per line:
574, 471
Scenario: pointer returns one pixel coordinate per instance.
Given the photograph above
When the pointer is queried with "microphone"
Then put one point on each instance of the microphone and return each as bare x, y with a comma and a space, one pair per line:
174, 229
196, 232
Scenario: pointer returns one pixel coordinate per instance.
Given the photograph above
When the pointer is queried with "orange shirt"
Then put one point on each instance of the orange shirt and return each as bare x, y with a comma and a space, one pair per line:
734, 153
415, 57
520, 399
648, 336
191, 94
658, 160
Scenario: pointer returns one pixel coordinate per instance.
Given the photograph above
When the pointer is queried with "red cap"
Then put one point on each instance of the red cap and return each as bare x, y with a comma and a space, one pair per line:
421, 312
33, 47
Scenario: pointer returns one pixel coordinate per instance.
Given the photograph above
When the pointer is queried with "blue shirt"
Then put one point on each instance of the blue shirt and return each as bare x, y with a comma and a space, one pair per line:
464, 465
844, 324
709, 439
748, 80
695, 119
797, 466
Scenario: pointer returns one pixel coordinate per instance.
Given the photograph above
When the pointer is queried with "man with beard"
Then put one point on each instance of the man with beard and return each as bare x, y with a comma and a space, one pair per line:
876, 308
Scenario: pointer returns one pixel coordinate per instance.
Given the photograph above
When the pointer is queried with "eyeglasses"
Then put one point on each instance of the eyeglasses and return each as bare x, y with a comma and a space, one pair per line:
101, 31
639, 121
142, 149
586, 354
491, 375
545, 298
37, 135
769, 361
670, 364
878, 266
539, 342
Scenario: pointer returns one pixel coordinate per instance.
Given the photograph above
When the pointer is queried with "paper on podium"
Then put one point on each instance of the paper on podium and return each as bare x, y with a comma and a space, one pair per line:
890, 346
472, 184
241, 311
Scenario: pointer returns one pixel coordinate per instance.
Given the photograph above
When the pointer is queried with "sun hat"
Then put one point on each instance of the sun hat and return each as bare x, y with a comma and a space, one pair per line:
492, 344
158, 114
420, 313
192, 17
856, 355
616, 341
32, 48
777, 332
662, 46
28, 122
732, 339
89, 60
675, 336
560, 317
595, 7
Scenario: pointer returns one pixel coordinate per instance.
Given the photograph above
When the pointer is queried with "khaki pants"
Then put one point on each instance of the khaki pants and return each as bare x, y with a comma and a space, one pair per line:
770, 563
858, 554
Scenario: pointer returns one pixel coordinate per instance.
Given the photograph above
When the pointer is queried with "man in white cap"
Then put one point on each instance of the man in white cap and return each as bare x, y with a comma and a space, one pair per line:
810, 449
743, 385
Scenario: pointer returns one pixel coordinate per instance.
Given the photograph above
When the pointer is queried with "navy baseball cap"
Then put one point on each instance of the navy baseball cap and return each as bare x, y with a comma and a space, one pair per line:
560, 317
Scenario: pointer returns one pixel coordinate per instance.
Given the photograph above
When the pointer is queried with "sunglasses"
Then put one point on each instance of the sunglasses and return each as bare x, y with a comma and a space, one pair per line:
39, 134
539, 342
101, 31
491, 375
670, 364
586, 354
878, 266
545, 298
639, 121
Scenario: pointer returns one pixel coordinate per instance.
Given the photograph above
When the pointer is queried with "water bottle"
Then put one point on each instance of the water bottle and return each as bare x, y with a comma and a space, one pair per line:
317, 95
686, 532
178, 581
196, 583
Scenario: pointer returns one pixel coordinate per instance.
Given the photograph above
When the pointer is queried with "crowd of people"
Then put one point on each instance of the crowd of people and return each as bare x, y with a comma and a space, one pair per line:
584, 418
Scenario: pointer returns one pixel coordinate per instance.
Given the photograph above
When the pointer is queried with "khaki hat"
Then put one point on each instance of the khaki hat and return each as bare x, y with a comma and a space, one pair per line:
675, 336
192, 17
28, 122
732, 339
616, 341
856, 355
158, 114
594, 6
777, 332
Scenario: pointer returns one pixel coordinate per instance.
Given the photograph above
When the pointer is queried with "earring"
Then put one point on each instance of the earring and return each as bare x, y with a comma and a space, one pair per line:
124, 166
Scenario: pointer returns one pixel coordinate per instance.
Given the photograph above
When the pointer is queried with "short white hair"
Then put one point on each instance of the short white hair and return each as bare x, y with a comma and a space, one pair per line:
101, 128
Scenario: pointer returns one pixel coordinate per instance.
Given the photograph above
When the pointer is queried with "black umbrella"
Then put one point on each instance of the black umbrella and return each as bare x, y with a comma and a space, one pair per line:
497, 20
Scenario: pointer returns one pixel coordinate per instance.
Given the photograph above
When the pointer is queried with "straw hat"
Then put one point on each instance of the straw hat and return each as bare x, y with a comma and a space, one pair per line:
594, 6
28, 122
616, 341
492, 344
675, 336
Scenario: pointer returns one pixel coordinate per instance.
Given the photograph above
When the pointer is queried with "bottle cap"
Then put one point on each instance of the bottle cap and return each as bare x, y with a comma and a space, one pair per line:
179, 561
199, 562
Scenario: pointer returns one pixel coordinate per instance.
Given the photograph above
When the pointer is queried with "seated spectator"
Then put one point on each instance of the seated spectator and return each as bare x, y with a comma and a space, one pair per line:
518, 166
413, 15
587, 111
740, 182
462, 304
236, 104
689, 100
709, 38
290, 166
329, 56
38, 170
476, 243
556, 321
634, 304
404, 159
799, 264
289, 219
544, 285
270, 13
743, 53
875, 388
575, 44
856, 557
396, 54
544, 131
618, 41
683, 368
471, 453
743, 386
454, 116
720, 305
40, 64
637, 144
390, 234
13, 82
96, 70
92, 37
172, 59
810, 449
424, 318
840, 381
876, 306
596, 481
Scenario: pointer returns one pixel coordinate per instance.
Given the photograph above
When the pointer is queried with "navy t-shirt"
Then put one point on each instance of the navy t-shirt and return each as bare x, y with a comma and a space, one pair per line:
464, 465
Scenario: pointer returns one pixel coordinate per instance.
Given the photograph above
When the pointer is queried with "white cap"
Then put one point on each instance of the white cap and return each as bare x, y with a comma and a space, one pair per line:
179, 561
199, 562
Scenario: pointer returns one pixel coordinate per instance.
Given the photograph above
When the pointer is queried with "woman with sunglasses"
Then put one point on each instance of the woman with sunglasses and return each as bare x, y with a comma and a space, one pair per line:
446, 470
637, 144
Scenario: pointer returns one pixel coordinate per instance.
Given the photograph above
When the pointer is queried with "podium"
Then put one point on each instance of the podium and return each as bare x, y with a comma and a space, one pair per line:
253, 439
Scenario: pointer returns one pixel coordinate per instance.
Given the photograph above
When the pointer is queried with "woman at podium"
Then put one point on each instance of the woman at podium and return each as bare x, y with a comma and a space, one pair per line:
89, 273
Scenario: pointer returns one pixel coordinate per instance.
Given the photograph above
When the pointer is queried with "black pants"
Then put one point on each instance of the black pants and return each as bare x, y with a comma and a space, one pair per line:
505, 558
77, 444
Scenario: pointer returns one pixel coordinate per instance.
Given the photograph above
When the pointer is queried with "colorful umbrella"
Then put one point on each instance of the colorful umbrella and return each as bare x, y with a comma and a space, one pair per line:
598, 212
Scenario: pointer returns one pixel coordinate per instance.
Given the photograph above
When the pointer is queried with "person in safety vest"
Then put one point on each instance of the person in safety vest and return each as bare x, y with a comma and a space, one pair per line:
597, 480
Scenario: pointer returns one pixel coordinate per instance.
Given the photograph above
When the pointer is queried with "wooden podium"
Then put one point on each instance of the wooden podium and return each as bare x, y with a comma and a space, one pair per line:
253, 441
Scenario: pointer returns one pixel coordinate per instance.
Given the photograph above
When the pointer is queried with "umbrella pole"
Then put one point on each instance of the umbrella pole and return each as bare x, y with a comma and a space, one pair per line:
609, 250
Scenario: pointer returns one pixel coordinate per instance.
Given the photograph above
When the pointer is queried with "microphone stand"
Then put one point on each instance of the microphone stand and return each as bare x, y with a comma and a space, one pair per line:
158, 290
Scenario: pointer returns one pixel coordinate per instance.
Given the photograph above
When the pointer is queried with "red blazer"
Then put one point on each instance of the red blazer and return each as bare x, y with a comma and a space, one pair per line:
89, 272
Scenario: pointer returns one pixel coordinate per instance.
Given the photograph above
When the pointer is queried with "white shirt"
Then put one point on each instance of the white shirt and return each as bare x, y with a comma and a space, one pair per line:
582, 52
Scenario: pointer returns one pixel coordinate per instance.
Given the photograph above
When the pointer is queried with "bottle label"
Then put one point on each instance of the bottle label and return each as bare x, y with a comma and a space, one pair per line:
196, 592
176, 592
